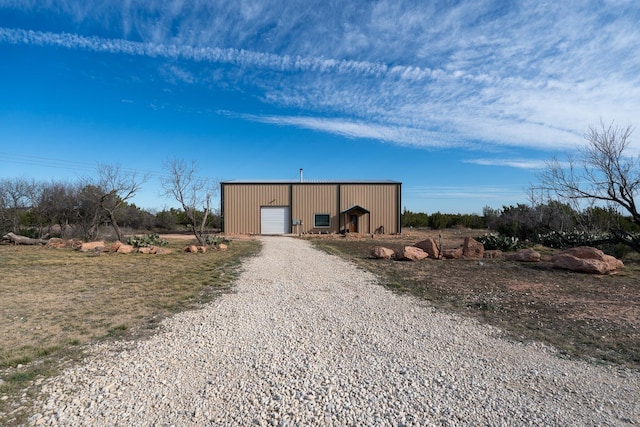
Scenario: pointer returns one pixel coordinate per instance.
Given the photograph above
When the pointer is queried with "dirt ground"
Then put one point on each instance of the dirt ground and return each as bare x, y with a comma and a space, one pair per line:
589, 316
56, 302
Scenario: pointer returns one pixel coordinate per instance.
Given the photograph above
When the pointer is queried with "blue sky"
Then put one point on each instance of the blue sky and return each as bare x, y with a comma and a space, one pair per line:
461, 101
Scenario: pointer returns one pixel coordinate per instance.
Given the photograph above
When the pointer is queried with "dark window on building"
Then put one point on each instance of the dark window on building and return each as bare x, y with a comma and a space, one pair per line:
322, 220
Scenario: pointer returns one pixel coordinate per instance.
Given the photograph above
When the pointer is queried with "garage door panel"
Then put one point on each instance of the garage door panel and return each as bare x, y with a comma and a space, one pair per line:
274, 220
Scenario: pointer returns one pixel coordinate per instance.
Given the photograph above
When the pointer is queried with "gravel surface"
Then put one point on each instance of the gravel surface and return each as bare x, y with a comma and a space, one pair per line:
309, 339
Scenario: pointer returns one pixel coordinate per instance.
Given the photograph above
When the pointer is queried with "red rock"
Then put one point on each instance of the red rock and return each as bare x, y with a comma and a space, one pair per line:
222, 247
452, 253
411, 253
587, 252
92, 246
381, 252
55, 243
430, 247
585, 259
125, 249
472, 249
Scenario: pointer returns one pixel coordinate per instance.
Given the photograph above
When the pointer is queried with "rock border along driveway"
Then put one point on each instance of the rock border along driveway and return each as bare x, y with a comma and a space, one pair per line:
310, 339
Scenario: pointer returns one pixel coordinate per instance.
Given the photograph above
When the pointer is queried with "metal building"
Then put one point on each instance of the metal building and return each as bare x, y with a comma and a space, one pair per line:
283, 207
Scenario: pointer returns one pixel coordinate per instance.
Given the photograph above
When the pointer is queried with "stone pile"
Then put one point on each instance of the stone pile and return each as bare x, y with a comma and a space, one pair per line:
428, 248
582, 259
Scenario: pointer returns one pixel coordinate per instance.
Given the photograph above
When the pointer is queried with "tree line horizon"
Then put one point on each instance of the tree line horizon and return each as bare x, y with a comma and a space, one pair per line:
593, 192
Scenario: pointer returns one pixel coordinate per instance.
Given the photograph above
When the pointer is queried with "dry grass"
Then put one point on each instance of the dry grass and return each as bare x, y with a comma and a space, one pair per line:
55, 300
587, 316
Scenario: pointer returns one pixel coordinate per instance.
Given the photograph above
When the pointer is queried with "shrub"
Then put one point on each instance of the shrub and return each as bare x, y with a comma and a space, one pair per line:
618, 250
500, 242
215, 240
152, 239
567, 239
29, 232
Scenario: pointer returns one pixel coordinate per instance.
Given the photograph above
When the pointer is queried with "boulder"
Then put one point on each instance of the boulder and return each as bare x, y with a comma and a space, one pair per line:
380, 252
452, 253
92, 246
585, 259
163, 251
57, 243
191, 248
202, 249
430, 247
588, 252
524, 255
222, 247
116, 245
125, 249
148, 250
411, 253
472, 249
493, 253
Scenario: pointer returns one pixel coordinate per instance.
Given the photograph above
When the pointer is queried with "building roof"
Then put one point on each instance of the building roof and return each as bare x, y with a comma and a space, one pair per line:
310, 181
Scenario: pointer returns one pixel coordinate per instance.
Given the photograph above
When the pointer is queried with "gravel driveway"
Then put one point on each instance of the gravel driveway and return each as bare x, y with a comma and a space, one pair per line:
309, 339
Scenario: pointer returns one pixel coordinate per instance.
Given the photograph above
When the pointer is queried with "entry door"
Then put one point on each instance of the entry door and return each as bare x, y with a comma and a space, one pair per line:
353, 223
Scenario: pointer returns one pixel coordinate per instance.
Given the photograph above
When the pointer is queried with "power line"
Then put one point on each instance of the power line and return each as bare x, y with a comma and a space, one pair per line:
68, 164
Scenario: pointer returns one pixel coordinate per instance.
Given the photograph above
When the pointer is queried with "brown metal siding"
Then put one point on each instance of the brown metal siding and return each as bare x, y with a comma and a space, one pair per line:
242, 204
379, 199
311, 199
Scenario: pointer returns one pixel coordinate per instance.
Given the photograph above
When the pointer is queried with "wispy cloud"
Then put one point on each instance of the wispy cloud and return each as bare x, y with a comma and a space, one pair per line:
476, 192
354, 129
513, 163
214, 55
524, 74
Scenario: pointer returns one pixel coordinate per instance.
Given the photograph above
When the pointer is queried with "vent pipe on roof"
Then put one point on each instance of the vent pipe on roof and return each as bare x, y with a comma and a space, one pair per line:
300, 174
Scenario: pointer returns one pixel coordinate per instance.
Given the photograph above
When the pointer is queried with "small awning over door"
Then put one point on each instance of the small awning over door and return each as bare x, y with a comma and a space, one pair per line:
274, 220
352, 219
358, 210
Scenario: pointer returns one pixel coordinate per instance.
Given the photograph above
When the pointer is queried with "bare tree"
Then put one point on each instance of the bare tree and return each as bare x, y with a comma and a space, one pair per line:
36, 215
61, 199
195, 194
14, 195
551, 215
108, 193
54, 203
4, 207
602, 173
87, 213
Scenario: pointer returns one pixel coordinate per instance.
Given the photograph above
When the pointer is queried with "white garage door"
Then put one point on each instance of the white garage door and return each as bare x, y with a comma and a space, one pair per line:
274, 220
